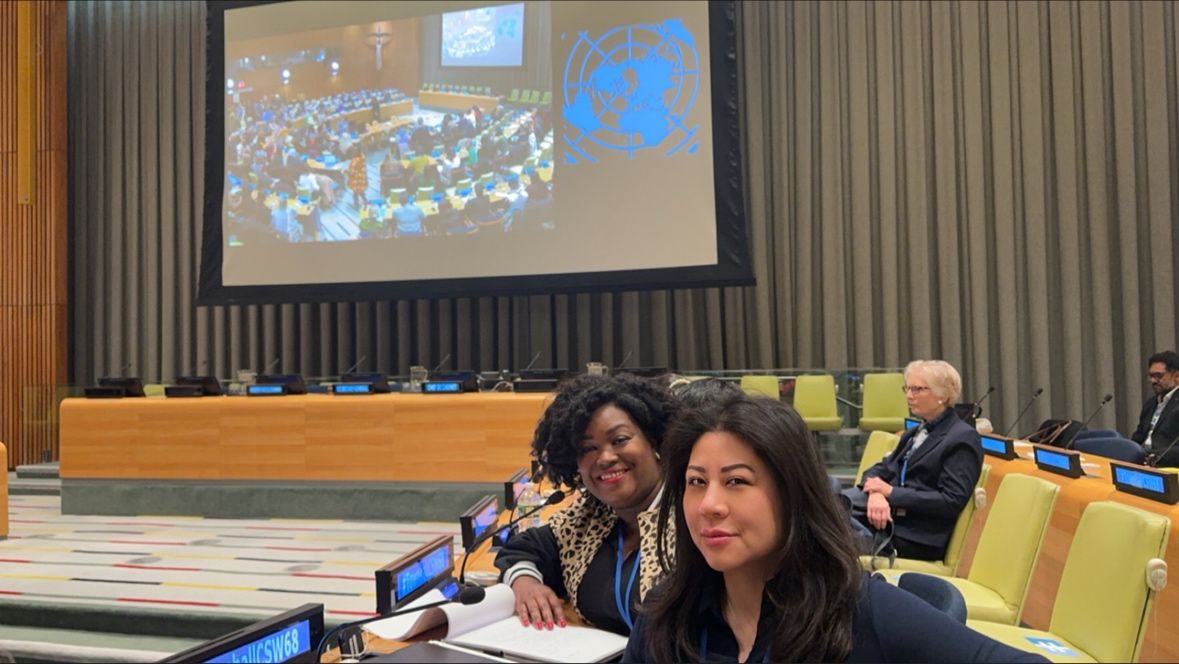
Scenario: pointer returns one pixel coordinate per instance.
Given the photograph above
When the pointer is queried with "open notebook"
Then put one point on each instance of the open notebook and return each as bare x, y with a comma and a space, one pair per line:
492, 627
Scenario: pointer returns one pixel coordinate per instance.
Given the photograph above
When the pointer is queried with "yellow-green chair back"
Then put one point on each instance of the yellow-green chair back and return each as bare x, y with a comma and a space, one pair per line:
1010, 544
885, 407
153, 390
1103, 597
765, 386
879, 444
814, 399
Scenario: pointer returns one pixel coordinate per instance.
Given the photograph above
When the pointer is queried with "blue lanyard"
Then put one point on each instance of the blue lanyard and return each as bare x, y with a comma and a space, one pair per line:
905, 466
624, 605
765, 658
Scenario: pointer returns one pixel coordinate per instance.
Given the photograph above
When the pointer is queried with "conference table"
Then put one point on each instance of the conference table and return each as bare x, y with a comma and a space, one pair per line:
1161, 641
456, 100
477, 437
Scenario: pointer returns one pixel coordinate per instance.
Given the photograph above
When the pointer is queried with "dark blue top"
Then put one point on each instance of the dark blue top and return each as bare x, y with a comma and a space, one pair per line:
890, 625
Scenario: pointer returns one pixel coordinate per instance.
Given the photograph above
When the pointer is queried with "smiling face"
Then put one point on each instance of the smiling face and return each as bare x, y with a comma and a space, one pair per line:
617, 463
731, 506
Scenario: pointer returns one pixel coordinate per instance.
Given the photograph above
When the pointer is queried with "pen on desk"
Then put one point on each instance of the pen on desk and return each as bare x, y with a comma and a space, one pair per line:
493, 656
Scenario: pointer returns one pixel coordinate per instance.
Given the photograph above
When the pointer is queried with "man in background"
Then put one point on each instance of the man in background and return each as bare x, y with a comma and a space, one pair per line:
1158, 424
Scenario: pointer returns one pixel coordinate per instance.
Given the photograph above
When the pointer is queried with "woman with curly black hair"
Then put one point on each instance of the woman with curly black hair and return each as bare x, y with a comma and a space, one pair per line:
601, 435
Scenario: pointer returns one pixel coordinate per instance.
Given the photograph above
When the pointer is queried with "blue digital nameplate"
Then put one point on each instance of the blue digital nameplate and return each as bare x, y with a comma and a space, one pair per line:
1059, 462
352, 388
266, 390
281, 646
416, 576
911, 423
999, 447
1146, 482
442, 387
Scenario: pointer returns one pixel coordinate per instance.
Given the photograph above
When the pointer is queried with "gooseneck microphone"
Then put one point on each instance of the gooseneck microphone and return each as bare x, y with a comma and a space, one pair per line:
444, 361
976, 407
354, 366
1035, 395
272, 365
1108, 398
624, 359
534, 359
554, 498
1155, 459
466, 595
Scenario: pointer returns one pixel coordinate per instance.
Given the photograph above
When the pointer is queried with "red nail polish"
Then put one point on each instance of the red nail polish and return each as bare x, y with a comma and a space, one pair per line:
563, 624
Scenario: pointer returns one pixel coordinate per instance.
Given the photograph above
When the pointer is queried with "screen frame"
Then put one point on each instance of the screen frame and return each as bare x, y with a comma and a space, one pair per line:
221, 645
734, 266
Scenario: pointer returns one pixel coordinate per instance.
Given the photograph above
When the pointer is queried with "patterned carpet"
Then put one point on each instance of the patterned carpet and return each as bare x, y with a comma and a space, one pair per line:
236, 566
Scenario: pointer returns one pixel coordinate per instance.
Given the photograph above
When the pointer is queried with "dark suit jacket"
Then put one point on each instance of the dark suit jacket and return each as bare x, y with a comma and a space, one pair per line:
1164, 432
939, 480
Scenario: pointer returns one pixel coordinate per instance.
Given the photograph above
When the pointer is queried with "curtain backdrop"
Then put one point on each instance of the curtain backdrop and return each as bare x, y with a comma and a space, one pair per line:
987, 182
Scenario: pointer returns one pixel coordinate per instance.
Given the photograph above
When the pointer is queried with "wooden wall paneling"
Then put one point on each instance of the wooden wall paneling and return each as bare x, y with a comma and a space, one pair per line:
33, 199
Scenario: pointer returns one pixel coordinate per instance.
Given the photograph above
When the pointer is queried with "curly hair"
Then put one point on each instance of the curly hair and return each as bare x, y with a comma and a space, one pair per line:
557, 441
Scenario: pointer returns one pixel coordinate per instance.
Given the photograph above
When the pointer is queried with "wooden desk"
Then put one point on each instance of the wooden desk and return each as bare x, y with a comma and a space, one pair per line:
456, 101
383, 437
1161, 642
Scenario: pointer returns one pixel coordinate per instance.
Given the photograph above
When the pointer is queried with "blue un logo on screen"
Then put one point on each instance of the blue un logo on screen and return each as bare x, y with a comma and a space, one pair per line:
631, 89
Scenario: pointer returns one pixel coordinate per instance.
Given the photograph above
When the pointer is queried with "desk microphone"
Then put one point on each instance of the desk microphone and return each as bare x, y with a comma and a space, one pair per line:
272, 365
534, 359
1154, 459
444, 361
1108, 398
466, 595
976, 407
624, 359
1035, 395
554, 498
354, 366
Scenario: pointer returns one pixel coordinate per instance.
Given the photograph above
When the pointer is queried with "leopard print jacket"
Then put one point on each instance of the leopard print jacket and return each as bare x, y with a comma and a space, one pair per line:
583, 527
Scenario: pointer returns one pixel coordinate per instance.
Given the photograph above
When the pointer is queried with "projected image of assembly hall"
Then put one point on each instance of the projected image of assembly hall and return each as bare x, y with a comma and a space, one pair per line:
395, 129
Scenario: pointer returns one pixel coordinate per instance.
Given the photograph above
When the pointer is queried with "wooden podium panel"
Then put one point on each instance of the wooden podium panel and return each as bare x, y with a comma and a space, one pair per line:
384, 437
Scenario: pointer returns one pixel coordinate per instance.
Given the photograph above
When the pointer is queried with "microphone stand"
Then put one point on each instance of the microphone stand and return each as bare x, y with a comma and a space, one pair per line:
1108, 398
554, 498
1035, 395
1155, 459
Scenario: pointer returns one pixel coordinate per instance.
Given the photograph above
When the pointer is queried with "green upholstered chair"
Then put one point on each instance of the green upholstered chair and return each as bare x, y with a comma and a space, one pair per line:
153, 390
879, 444
949, 564
515, 96
885, 407
1113, 569
997, 585
547, 98
814, 399
765, 386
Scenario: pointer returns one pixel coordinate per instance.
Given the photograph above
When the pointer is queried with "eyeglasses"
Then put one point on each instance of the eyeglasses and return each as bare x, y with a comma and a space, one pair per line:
915, 389
1156, 375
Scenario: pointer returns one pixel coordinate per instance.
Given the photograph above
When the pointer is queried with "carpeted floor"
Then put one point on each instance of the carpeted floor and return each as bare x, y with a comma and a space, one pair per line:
235, 566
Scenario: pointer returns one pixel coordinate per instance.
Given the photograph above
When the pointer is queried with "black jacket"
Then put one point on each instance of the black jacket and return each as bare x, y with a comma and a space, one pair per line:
1165, 431
890, 625
940, 478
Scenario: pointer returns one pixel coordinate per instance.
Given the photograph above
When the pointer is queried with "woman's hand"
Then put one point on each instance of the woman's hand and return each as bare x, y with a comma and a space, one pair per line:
879, 512
537, 604
877, 485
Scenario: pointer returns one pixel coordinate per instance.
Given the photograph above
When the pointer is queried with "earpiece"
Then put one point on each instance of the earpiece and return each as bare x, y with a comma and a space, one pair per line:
1156, 574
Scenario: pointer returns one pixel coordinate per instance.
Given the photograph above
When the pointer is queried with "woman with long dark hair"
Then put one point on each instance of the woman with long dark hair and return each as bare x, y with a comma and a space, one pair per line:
766, 568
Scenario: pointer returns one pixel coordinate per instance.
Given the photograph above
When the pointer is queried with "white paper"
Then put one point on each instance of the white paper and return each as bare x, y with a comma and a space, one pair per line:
561, 644
498, 603
400, 628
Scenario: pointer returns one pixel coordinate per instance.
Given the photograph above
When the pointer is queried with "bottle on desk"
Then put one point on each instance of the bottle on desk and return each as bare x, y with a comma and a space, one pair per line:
530, 498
